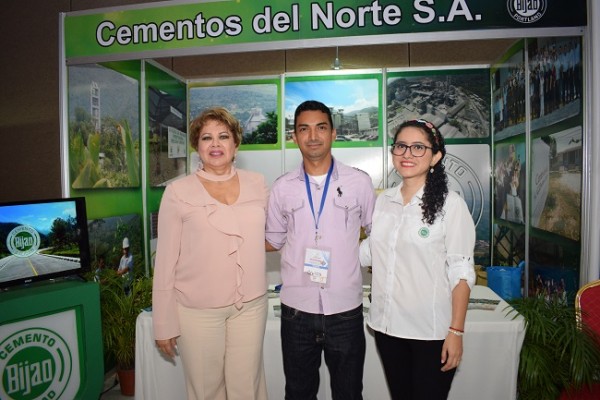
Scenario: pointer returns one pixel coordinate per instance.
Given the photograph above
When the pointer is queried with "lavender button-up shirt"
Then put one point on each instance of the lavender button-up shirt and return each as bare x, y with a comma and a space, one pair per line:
291, 228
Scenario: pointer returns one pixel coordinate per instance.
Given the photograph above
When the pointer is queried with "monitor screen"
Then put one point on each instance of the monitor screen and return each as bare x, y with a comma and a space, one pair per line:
42, 240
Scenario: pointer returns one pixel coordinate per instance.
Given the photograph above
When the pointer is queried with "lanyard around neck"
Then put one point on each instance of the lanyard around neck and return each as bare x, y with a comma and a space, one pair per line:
317, 217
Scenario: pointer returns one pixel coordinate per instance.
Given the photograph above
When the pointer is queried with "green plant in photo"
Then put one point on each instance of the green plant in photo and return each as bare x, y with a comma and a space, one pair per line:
130, 153
557, 353
76, 154
83, 162
93, 146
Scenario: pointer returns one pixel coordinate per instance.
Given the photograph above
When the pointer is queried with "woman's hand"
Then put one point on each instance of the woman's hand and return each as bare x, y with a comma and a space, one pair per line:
451, 351
167, 347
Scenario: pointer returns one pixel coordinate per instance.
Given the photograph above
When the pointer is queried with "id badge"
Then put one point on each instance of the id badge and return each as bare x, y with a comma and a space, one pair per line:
317, 264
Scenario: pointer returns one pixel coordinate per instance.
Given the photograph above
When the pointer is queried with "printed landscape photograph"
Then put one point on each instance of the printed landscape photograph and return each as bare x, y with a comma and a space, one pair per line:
254, 105
354, 103
104, 128
456, 101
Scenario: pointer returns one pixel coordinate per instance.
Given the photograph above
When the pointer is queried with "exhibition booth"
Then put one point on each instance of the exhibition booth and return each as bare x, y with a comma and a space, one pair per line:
517, 129
518, 133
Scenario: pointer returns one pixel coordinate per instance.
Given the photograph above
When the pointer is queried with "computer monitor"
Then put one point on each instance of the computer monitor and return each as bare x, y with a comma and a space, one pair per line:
42, 240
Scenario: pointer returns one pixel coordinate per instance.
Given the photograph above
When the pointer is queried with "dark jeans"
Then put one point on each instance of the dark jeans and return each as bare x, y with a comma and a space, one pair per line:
413, 368
341, 337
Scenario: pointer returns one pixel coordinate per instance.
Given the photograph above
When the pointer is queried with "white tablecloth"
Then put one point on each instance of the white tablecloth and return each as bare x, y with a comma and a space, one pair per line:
488, 370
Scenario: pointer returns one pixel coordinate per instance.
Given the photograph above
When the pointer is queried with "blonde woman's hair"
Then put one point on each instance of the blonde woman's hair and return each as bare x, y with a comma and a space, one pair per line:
219, 114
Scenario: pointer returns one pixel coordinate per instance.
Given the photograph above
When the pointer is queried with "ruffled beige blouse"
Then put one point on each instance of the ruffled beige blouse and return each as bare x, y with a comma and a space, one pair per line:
209, 254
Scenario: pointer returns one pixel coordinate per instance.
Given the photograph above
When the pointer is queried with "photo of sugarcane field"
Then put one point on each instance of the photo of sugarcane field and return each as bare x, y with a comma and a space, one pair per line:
104, 128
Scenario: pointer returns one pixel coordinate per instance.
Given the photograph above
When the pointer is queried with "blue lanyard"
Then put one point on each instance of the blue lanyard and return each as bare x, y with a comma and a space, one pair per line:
316, 218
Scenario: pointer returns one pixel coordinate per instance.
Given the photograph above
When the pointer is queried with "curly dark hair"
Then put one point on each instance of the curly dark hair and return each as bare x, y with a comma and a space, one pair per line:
436, 183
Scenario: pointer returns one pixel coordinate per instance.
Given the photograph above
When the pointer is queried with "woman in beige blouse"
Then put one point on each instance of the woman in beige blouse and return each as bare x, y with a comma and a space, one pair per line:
209, 294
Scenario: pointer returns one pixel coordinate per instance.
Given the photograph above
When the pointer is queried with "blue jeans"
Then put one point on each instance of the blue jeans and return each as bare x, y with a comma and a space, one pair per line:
341, 337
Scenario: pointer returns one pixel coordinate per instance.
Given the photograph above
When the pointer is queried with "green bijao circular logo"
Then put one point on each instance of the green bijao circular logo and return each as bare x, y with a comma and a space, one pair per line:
424, 232
23, 241
35, 363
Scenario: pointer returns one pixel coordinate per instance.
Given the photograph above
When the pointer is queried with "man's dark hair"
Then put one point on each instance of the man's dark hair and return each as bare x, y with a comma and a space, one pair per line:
313, 105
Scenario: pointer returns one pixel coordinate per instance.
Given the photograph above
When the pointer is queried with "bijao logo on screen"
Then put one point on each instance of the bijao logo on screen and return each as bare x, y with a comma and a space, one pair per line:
23, 241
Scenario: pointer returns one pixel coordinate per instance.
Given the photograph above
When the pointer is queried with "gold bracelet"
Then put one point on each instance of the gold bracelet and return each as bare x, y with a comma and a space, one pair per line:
455, 332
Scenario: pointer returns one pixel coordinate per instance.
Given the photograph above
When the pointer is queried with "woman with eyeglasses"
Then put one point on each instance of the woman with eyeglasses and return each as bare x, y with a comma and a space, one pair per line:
421, 252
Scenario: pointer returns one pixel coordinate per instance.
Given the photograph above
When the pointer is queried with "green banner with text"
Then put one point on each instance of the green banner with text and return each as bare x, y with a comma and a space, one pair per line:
160, 29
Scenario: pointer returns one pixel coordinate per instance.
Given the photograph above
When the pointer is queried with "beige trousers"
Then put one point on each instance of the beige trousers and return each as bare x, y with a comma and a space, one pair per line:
222, 351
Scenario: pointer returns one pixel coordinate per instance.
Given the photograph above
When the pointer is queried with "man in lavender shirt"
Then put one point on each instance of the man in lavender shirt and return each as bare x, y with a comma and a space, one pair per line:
314, 217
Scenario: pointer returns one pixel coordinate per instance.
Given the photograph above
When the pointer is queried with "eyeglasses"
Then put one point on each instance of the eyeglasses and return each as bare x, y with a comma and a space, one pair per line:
417, 150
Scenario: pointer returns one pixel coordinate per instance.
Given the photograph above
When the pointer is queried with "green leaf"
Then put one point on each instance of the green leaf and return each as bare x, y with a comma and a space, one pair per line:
556, 352
93, 146
87, 177
119, 314
130, 153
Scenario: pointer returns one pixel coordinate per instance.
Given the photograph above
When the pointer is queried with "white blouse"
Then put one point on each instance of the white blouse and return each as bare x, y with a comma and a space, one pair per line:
416, 265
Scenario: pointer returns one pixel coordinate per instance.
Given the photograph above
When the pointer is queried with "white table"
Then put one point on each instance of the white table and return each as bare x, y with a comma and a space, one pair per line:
488, 370
155, 376
492, 345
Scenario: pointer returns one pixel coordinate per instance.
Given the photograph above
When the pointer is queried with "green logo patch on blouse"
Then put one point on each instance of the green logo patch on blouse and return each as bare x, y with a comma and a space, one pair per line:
424, 232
